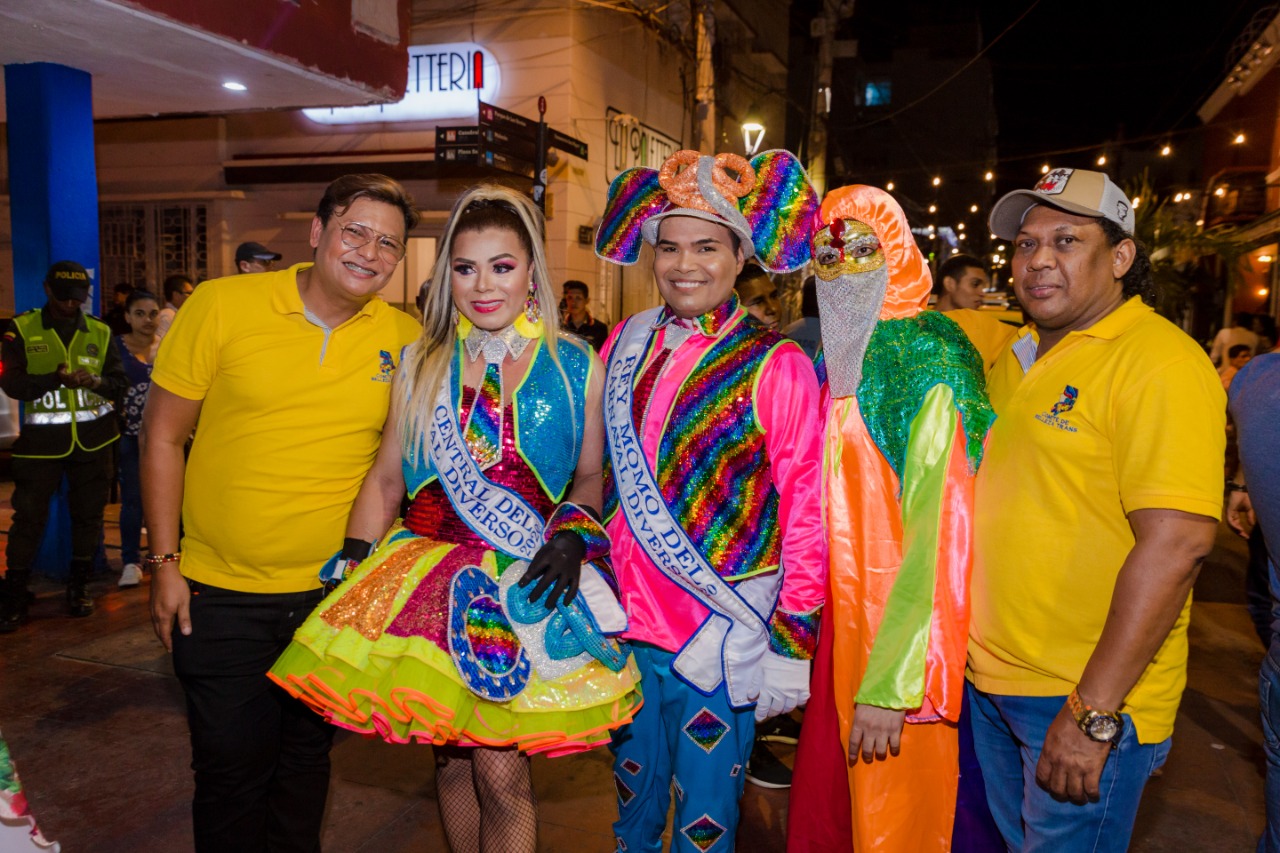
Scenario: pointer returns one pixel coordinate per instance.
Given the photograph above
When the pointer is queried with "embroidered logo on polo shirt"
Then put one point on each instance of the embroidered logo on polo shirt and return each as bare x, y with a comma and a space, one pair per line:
386, 369
1055, 416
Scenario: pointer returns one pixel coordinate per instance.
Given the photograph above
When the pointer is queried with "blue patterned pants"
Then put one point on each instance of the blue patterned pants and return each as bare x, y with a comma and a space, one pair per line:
681, 741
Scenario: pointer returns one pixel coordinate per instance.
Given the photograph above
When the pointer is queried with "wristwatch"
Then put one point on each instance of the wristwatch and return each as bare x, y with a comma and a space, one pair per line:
1100, 726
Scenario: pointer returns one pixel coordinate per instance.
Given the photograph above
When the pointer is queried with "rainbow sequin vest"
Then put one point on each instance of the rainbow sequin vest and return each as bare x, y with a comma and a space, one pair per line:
712, 466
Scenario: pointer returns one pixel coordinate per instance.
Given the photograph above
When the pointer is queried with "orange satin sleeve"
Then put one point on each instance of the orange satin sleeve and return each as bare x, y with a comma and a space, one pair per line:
905, 804
864, 532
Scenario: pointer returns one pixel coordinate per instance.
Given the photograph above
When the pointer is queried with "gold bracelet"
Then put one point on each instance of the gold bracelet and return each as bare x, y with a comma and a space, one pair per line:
155, 560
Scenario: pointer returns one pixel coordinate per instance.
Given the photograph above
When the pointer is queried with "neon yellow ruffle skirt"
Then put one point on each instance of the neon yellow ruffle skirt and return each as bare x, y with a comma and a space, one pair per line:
374, 658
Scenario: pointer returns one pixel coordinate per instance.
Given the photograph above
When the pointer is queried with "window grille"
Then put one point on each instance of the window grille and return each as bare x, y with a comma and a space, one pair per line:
142, 244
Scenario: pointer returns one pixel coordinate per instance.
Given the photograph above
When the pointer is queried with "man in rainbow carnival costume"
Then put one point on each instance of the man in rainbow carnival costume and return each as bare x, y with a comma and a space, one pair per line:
710, 422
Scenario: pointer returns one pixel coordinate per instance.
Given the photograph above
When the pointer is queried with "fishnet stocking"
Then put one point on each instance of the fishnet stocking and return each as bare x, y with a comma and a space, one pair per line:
456, 794
486, 800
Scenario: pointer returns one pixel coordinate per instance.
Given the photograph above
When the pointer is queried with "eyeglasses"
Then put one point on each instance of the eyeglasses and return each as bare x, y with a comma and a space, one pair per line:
357, 236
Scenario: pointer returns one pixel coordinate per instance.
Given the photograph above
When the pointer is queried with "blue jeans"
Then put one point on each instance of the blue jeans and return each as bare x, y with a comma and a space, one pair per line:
1269, 700
130, 501
1008, 734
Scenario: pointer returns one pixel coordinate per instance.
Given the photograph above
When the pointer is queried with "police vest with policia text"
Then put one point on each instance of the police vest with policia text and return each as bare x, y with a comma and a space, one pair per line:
65, 419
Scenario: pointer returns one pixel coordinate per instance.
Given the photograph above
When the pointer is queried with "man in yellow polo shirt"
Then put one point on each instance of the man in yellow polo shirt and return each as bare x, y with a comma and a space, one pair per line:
289, 374
1096, 503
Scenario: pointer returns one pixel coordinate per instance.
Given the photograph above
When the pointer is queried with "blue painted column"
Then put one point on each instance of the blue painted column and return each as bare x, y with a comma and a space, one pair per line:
53, 207
53, 179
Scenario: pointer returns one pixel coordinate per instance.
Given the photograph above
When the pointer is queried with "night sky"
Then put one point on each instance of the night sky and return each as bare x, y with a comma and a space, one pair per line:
1074, 76
1075, 73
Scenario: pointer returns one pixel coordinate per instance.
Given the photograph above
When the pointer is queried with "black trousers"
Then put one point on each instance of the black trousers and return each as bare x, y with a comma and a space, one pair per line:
34, 483
261, 758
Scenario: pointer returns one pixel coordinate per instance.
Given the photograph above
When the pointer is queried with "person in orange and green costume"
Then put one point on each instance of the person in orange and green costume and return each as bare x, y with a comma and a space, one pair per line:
904, 437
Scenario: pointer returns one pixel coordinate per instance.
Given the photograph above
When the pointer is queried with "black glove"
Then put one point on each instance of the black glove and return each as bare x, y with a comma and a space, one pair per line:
558, 564
353, 551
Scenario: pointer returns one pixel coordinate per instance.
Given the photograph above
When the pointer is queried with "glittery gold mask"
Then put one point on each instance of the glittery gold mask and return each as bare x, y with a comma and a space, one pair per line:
846, 247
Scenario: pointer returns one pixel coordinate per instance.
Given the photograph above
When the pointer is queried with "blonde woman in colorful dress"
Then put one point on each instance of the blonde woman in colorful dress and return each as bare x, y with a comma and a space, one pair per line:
479, 623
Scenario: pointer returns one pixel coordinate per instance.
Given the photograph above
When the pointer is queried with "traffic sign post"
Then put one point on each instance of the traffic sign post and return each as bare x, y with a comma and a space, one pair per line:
508, 141
540, 158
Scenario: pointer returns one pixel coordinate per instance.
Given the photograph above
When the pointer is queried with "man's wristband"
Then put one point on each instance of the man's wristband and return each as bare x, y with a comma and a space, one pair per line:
153, 561
1237, 487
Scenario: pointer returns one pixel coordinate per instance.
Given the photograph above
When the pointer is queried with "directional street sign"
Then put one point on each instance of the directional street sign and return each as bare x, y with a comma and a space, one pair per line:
516, 124
481, 156
489, 137
508, 141
505, 120
453, 136
567, 143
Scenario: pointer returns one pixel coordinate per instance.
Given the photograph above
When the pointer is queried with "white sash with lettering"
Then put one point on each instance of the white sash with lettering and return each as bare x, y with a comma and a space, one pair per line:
502, 517
496, 514
728, 646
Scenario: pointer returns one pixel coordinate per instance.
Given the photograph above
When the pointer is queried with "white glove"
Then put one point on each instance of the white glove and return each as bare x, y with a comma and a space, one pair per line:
784, 686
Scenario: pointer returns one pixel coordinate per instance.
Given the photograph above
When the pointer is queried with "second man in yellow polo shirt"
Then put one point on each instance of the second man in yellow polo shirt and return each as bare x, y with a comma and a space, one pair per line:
1097, 500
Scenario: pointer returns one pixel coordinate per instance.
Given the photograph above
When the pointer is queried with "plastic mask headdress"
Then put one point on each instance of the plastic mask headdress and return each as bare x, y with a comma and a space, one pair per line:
868, 268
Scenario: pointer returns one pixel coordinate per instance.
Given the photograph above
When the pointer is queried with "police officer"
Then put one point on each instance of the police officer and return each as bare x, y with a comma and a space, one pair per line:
60, 363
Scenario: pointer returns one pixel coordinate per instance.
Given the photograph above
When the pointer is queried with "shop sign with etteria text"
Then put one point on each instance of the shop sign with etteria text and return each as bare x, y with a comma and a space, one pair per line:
445, 81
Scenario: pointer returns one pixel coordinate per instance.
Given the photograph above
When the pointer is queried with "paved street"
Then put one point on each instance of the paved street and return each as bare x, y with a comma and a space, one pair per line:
95, 721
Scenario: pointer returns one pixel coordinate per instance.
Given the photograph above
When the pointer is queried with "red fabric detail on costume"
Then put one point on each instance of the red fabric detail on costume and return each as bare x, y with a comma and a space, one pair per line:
644, 388
820, 783
426, 613
430, 513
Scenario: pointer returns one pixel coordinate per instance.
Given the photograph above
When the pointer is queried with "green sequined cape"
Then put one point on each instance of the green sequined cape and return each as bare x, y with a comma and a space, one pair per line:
904, 359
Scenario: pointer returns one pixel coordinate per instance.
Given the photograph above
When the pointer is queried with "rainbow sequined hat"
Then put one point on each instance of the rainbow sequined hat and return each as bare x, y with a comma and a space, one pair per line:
768, 202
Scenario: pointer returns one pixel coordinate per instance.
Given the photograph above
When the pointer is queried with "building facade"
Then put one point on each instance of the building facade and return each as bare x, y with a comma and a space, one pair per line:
179, 193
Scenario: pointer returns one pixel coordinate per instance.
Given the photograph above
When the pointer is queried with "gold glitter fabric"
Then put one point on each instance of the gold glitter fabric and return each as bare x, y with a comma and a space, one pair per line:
365, 605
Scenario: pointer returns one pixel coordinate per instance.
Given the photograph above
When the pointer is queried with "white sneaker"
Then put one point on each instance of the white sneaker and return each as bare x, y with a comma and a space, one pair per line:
131, 576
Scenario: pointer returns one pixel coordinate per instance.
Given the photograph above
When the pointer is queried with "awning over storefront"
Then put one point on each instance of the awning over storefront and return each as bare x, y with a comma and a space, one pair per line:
401, 165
